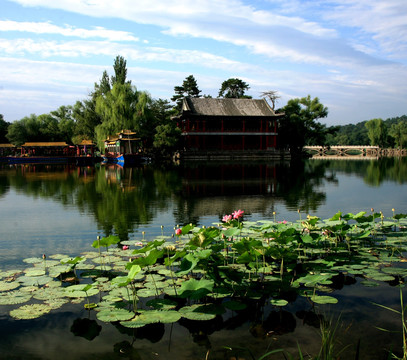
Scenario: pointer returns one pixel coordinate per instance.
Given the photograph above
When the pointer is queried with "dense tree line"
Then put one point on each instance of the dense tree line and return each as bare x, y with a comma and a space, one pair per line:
116, 104
391, 133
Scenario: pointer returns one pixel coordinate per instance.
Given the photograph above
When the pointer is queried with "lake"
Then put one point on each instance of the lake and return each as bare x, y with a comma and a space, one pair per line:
52, 209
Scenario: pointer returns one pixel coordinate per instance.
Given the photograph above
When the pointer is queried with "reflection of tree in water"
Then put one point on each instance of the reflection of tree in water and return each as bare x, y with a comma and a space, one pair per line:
120, 199
298, 184
216, 188
373, 171
4, 183
123, 198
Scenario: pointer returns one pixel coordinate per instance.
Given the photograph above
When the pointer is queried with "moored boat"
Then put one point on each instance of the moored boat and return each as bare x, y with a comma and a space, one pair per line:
124, 148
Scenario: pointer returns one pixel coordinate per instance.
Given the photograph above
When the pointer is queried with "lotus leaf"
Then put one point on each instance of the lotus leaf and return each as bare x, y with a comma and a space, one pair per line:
155, 316
196, 289
279, 302
323, 299
9, 273
7, 286
58, 270
80, 291
35, 280
124, 293
146, 292
113, 314
56, 303
14, 297
162, 304
58, 256
32, 311
33, 260
192, 313
49, 293
369, 283
34, 272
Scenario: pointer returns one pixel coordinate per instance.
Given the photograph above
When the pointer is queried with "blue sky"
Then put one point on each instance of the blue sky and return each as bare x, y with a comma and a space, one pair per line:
351, 54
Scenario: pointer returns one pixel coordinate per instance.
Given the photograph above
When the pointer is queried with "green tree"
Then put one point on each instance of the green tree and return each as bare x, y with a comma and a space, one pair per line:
3, 129
120, 71
165, 135
189, 88
399, 132
66, 123
300, 127
122, 108
234, 88
166, 138
377, 132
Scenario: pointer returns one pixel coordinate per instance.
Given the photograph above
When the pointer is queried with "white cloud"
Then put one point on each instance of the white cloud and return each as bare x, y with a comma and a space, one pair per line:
384, 21
80, 48
49, 28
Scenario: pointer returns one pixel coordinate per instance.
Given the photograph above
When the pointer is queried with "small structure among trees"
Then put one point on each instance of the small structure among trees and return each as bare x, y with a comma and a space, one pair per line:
231, 125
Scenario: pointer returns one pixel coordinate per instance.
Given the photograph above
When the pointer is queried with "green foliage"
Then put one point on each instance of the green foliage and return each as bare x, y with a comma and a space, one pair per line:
377, 132
120, 71
3, 130
56, 126
122, 108
234, 88
300, 127
189, 88
399, 132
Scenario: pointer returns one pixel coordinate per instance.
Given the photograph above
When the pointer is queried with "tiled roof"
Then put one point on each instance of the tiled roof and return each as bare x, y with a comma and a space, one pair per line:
7, 146
45, 144
227, 107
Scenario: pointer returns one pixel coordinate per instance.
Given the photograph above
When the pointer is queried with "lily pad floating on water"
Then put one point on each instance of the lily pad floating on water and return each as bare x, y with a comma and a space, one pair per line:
113, 314
33, 260
7, 286
162, 304
14, 297
279, 302
81, 291
32, 311
323, 299
369, 283
34, 280
34, 272
154, 316
197, 312
49, 293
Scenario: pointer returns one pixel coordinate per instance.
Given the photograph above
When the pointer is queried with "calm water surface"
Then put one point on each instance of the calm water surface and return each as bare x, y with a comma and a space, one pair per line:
48, 209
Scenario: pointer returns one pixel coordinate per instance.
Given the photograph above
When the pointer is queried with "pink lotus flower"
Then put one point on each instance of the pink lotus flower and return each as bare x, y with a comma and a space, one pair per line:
125, 247
139, 243
238, 214
227, 218
178, 232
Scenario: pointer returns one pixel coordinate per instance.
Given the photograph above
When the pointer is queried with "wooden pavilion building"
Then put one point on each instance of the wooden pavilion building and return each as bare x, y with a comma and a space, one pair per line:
53, 148
230, 128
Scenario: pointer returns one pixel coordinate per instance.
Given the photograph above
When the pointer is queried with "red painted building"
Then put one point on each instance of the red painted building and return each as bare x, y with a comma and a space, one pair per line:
228, 125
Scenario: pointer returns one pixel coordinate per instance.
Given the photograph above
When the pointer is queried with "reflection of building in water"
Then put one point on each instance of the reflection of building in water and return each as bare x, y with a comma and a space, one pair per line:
230, 179
122, 177
248, 187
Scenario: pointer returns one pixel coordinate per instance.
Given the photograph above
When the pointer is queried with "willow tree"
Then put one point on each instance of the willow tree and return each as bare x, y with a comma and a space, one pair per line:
122, 108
